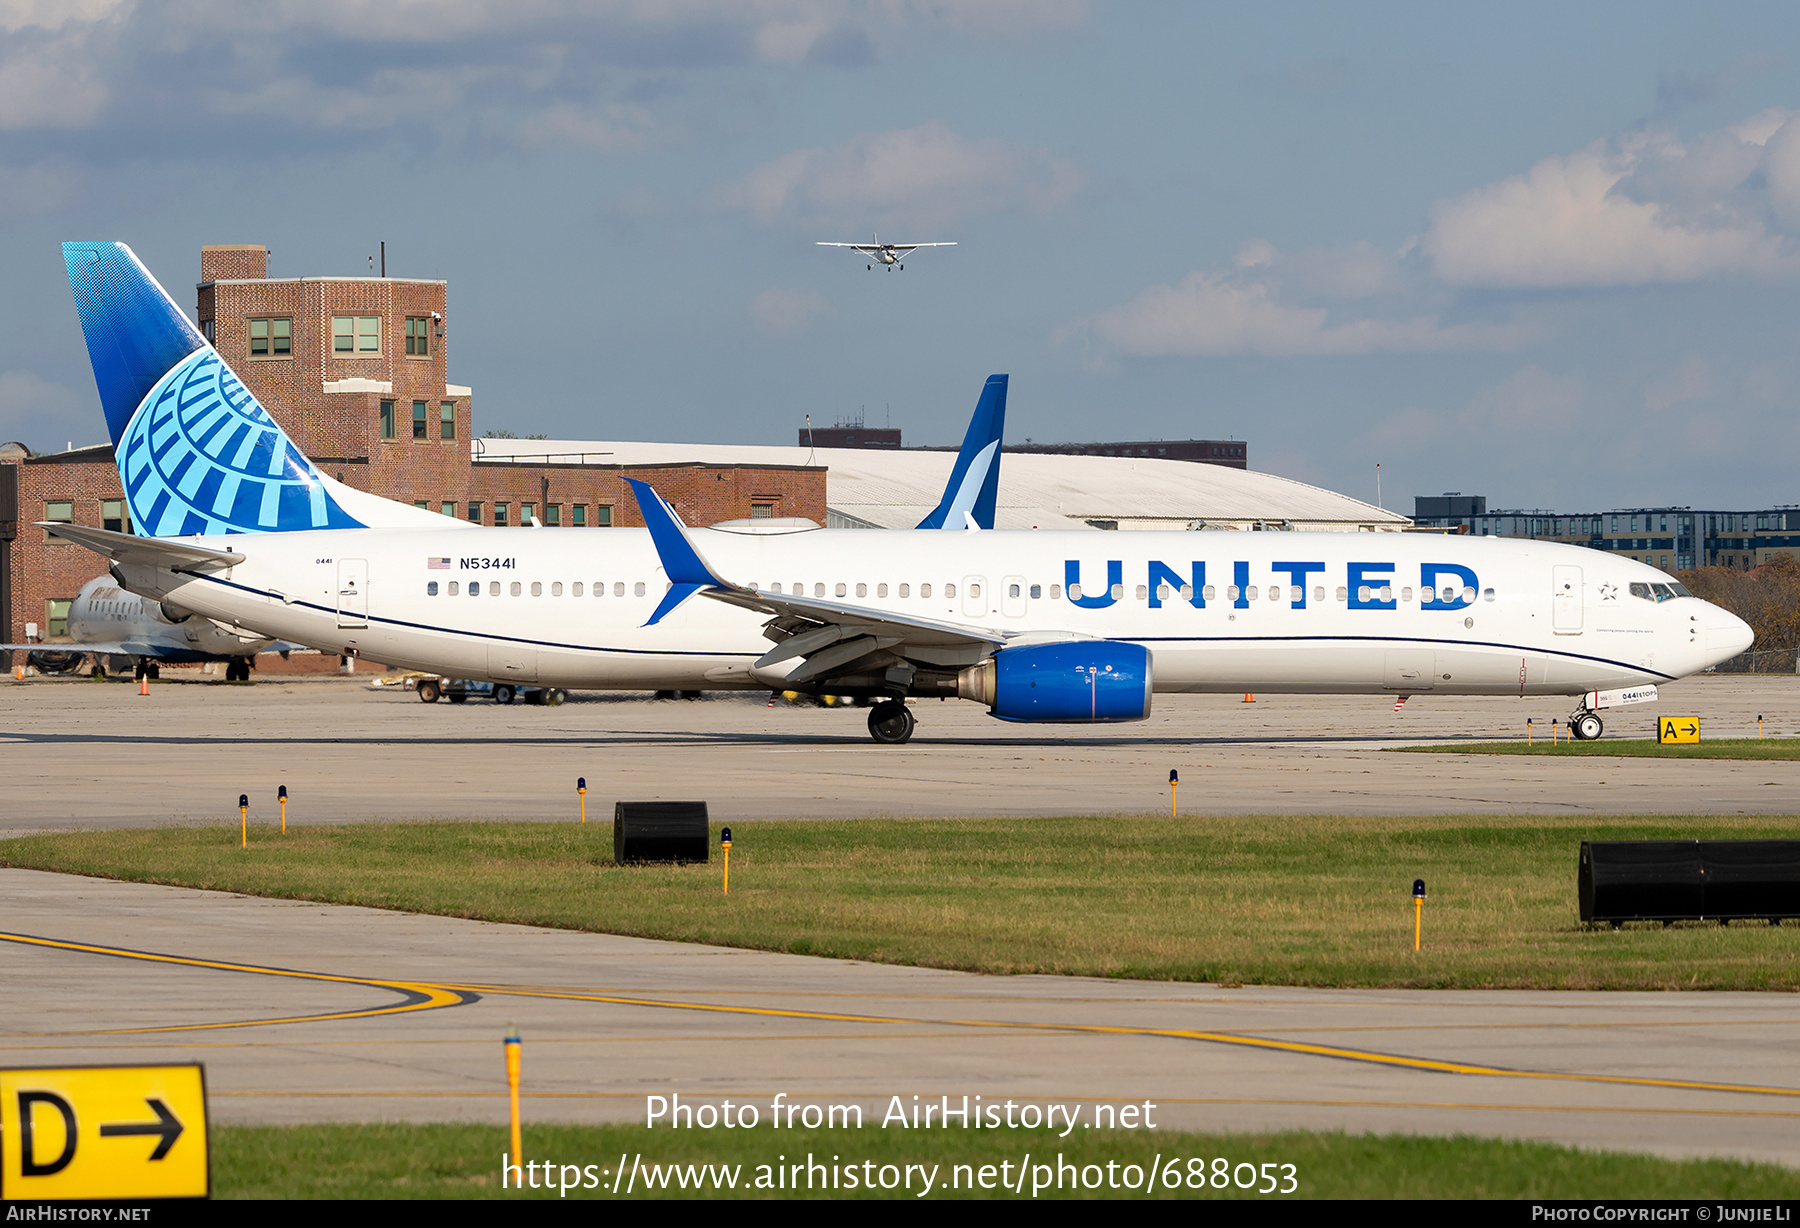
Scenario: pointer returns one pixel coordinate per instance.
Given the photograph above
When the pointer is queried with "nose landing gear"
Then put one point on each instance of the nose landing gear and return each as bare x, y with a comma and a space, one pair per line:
891, 722
1585, 726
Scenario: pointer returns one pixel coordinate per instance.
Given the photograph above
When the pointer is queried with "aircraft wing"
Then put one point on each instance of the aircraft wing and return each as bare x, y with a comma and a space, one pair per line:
855, 247
121, 648
147, 551
832, 636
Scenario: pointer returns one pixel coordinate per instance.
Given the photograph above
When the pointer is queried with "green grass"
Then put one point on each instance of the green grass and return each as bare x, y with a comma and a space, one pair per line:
1632, 748
1252, 900
463, 1161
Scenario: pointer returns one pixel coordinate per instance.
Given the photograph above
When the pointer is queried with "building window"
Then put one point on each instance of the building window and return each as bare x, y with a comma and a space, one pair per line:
356, 334
762, 511
272, 337
419, 419
387, 419
603, 516
500, 515
449, 508
115, 517
56, 618
474, 513
552, 515
527, 513
60, 512
578, 515
447, 420
418, 336
424, 505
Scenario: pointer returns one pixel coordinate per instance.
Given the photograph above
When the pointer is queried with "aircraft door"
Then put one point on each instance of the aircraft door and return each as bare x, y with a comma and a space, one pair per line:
1565, 584
353, 592
1012, 597
975, 597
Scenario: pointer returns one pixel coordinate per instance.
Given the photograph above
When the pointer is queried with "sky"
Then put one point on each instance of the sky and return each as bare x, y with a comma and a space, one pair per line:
1545, 253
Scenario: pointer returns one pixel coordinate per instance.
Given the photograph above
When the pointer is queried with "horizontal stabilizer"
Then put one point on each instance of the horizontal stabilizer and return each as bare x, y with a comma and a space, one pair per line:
144, 551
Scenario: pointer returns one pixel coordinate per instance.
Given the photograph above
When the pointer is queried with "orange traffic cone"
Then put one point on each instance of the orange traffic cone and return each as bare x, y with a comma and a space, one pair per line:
1249, 698
144, 685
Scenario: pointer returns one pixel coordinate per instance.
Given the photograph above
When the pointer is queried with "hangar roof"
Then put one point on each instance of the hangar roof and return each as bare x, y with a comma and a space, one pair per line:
895, 489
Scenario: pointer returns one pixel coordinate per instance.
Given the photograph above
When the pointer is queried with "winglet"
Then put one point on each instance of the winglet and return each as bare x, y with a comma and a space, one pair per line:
975, 482
688, 572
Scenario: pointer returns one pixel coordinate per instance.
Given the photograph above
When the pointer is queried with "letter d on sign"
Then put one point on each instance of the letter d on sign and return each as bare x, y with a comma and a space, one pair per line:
29, 1166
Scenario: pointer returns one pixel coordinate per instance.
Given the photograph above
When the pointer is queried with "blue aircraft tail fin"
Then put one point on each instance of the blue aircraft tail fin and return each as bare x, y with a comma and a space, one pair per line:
135, 332
196, 452
975, 482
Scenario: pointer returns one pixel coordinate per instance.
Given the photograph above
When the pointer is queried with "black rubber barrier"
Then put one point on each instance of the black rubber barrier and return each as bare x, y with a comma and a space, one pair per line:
1689, 880
659, 831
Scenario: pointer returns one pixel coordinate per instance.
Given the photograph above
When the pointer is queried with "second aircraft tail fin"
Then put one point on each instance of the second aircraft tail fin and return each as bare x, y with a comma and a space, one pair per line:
975, 482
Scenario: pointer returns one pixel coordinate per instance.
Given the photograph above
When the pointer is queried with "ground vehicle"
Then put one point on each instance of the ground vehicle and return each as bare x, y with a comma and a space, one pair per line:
458, 690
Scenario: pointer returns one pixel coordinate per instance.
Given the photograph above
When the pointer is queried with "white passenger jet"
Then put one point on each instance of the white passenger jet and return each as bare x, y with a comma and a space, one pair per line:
1039, 627
888, 254
106, 621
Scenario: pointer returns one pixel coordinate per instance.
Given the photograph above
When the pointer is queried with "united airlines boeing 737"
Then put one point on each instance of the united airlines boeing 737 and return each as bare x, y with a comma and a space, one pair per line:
1044, 627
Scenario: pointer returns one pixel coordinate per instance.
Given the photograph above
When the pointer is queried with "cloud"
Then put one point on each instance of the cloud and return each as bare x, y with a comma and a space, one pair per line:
784, 313
1646, 209
1220, 313
925, 177
207, 73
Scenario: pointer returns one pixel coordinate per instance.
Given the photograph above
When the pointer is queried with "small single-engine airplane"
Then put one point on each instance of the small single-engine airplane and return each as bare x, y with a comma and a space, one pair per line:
890, 254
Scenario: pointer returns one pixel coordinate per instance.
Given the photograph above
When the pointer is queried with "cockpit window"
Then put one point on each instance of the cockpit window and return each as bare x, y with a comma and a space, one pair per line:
1681, 590
1642, 590
1663, 592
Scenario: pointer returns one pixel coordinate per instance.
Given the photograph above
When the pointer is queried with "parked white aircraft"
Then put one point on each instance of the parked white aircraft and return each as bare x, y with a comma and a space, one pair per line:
1046, 627
106, 621
889, 254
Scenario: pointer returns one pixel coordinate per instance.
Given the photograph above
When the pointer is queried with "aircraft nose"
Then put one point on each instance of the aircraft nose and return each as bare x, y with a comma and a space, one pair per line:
1726, 635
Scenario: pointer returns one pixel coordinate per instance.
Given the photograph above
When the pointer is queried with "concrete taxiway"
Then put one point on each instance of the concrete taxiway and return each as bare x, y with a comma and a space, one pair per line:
80, 754
307, 1012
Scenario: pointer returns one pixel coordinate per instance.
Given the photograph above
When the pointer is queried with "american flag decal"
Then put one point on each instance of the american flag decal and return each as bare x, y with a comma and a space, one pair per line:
438, 564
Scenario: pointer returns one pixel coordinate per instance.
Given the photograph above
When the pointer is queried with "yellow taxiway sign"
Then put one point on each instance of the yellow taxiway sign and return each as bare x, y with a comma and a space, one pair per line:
1674, 729
104, 1132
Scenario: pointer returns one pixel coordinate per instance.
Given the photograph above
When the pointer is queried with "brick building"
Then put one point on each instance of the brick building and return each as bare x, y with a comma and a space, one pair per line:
354, 369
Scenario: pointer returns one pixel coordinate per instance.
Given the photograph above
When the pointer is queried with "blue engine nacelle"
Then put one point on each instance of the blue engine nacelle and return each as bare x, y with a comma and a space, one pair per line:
1077, 682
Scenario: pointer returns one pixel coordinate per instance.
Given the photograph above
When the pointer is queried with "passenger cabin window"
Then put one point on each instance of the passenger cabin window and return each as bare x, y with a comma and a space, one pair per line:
431, 588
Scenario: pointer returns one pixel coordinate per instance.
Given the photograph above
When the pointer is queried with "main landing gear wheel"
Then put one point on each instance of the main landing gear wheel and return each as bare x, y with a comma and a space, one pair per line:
503, 694
891, 723
1586, 726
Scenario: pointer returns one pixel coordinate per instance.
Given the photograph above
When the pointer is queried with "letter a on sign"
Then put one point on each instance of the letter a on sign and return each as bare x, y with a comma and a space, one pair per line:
1677, 729
89, 1132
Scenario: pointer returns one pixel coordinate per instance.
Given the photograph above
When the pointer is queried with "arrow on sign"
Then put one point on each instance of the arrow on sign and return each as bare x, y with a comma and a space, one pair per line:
1692, 729
167, 1127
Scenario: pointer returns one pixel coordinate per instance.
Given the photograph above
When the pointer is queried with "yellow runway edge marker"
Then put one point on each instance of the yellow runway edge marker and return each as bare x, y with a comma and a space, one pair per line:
725, 844
1418, 911
512, 1091
244, 820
